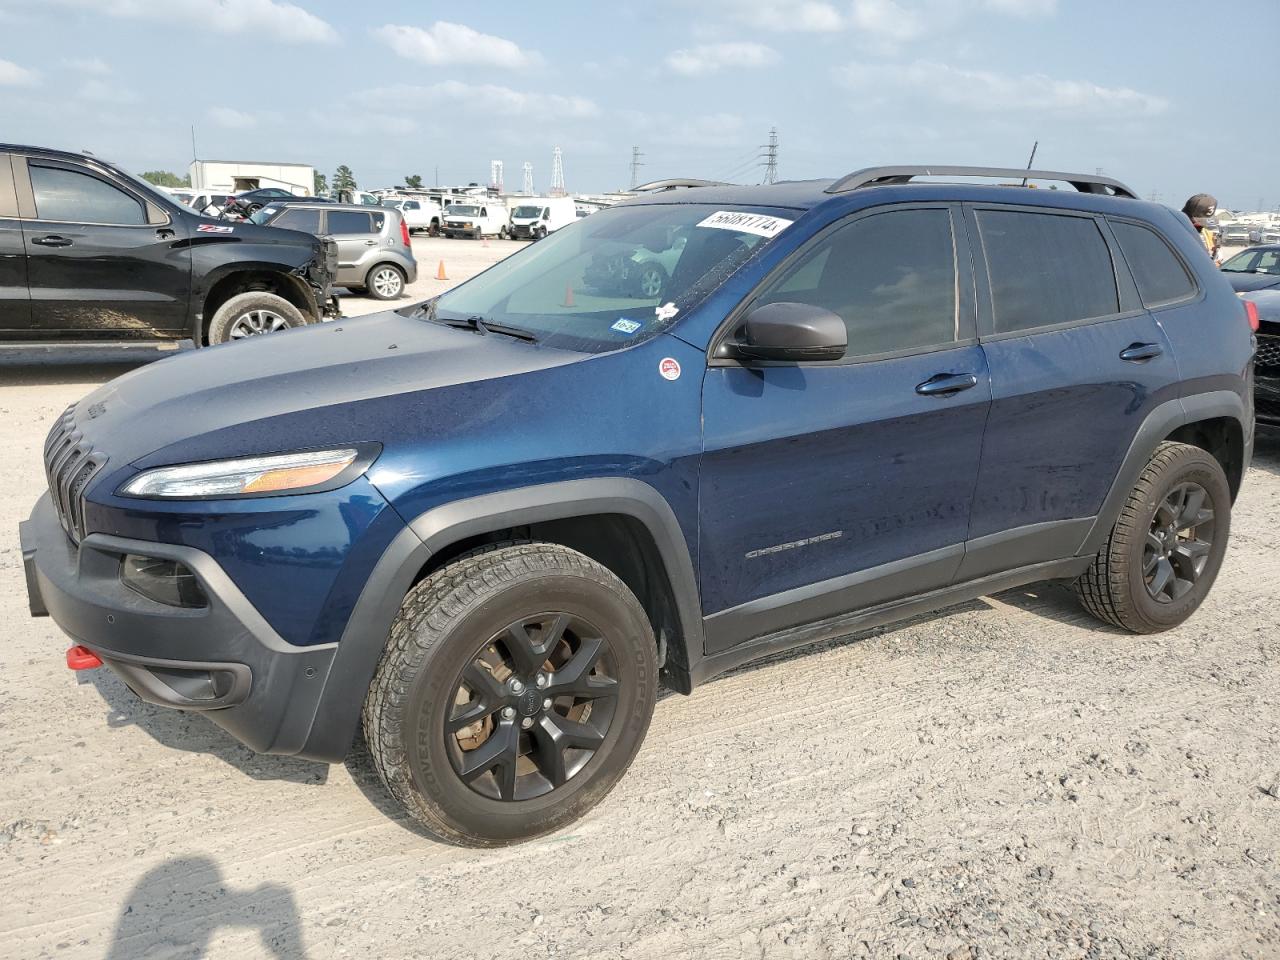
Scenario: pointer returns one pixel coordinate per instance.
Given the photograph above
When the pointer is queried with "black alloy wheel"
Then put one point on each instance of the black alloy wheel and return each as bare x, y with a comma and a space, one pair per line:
1178, 543
532, 706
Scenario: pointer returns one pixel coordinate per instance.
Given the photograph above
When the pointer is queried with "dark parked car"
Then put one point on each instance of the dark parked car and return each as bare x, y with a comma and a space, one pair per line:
89, 253
250, 202
1257, 268
484, 526
1265, 302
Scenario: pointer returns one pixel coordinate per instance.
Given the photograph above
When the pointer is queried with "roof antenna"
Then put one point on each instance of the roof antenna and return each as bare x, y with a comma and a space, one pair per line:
1031, 159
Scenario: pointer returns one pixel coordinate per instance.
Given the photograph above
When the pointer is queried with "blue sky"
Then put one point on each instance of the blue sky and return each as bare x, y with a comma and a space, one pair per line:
1155, 93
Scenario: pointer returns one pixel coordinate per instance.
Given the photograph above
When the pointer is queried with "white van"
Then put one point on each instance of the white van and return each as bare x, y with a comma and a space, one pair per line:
476, 220
419, 213
536, 217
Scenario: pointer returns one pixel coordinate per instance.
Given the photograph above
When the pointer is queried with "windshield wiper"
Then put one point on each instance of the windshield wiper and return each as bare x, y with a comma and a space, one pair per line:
475, 322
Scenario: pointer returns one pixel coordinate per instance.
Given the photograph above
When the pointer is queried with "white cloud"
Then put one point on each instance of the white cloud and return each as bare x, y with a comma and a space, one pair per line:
232, 119
12, 75
799, 16
100, 91
886, 20
1023, 8
454, 43
285, 21
484, 98
91, 65
713, 57
985, 90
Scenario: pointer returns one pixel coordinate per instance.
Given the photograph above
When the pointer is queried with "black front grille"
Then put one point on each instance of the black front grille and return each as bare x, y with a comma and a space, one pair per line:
69, 465
1268, 354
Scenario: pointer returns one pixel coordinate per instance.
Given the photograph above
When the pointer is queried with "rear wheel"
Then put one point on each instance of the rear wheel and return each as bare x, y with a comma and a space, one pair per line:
385, 282
1165, 550
514, 692
253, 314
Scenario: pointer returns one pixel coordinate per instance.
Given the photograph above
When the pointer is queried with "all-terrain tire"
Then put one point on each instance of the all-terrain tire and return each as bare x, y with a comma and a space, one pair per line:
233, 318
1114, 588
443, 622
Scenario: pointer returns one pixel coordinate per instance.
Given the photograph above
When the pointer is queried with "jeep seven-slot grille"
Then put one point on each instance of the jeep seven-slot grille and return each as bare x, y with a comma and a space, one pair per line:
1268, 354
69, 465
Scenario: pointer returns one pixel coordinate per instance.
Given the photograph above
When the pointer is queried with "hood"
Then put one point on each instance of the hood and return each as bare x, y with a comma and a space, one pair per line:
1246, 282
291, 389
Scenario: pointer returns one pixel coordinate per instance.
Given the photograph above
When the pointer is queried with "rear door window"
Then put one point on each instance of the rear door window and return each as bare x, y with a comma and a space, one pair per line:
347, 223
891, 277
1046, 269
308, 221
70, 196
1159, 274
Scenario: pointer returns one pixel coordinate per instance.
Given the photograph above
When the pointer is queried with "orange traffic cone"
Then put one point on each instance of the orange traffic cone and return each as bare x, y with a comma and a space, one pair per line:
440, 274
568, 295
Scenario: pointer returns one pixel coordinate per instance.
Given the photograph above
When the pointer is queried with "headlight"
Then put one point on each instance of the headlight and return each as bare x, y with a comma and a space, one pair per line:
250, 476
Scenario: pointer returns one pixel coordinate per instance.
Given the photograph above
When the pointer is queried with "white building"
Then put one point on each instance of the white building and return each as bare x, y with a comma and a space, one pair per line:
236, 176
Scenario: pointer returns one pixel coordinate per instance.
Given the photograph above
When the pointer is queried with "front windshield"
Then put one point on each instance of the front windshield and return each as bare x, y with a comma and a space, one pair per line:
461, 211
527, 212
617, 278
393, 204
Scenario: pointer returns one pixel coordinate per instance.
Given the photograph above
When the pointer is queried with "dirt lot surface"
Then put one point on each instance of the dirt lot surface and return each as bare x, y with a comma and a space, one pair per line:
1005, 779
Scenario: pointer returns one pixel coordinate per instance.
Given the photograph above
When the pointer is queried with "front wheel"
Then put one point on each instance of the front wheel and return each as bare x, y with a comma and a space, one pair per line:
1165, 550
253, 314
514, 692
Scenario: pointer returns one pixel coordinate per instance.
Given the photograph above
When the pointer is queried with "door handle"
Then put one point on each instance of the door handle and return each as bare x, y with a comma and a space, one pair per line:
370, 243
53, 240
1141, 352
945, 384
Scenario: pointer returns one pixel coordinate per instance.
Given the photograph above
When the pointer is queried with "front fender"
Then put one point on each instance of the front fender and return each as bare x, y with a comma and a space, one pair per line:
338, 712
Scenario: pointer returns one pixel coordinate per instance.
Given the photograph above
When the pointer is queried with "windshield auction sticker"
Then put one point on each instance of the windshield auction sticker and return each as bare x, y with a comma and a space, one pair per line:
757, 223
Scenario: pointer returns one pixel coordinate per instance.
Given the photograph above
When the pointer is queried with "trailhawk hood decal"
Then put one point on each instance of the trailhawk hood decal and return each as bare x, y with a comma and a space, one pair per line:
293, 389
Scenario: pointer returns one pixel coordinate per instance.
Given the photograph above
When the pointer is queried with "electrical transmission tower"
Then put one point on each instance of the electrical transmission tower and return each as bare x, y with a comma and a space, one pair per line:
528, 178
635, 166
495, 174
557, 173
770, 157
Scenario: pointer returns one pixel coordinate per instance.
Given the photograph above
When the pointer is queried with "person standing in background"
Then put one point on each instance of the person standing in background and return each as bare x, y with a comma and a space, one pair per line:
1199, 209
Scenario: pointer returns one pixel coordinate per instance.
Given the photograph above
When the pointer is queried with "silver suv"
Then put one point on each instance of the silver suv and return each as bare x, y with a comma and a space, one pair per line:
374, 253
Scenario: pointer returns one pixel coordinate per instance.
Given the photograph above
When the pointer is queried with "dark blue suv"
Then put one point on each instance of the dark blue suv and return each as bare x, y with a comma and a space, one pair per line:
700, 427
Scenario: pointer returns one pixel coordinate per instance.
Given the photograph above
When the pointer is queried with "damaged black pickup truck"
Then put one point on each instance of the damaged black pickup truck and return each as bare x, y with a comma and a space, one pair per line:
90, 254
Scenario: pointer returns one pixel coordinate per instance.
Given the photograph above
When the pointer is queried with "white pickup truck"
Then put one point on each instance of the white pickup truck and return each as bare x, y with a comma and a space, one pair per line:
419, 214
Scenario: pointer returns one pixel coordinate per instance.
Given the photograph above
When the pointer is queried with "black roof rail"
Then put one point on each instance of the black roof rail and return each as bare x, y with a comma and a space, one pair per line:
886, 176
677, 184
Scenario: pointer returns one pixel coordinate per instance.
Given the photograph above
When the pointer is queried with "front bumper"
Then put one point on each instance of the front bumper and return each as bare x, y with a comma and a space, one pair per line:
223, 659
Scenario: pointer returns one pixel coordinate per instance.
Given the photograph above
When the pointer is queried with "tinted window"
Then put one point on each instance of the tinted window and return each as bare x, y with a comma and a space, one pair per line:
1046, 269
77, 197
308, 221
1159, 274
891, 277
348, 222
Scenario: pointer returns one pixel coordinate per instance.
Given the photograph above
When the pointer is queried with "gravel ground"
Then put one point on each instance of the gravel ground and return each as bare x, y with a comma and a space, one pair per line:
1004, 779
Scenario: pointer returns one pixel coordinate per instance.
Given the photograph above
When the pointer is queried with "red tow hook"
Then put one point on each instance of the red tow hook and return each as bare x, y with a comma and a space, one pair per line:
82, 658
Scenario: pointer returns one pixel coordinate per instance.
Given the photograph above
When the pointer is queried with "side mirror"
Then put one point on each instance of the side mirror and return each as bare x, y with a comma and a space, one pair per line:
789, 331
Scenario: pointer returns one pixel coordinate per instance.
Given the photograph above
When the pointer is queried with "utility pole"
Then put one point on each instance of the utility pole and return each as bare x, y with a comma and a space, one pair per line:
495, 175
635, 166
770, 157
528, 179
437, 175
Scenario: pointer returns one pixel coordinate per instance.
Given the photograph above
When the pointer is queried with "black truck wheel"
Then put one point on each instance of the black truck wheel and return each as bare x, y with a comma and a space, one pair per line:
514, 692
253, 314
1166, 548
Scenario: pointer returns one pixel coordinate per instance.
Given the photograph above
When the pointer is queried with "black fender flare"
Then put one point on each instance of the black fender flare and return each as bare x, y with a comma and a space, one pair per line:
337, 714
1160, 422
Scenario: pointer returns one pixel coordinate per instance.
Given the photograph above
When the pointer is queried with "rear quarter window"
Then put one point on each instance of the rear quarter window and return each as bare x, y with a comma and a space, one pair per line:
1046, 269
348, 223
1159, 274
